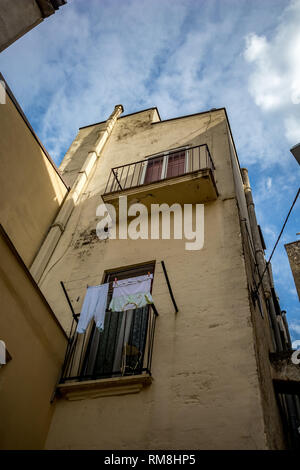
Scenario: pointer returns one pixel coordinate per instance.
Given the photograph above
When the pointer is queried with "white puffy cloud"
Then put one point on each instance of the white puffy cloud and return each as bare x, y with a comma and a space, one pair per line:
295, 326
292, 126
269, 183
296, 344
274, 81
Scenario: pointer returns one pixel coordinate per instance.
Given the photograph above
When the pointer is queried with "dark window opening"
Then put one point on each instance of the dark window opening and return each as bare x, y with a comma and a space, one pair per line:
154, 170
120, 348
289, 407
176, 164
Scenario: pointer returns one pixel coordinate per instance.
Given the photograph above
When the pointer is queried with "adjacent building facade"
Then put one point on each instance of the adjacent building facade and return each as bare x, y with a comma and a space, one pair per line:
17, 17
31, 193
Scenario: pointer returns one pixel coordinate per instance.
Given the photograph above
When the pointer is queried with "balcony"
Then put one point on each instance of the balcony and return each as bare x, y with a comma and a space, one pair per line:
115, 361
185, 176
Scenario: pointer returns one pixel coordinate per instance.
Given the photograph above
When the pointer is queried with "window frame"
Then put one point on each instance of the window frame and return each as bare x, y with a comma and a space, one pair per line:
109, 275
165, 156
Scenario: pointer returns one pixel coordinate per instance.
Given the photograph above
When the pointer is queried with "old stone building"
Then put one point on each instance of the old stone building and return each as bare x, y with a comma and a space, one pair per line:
193, 370
207, 364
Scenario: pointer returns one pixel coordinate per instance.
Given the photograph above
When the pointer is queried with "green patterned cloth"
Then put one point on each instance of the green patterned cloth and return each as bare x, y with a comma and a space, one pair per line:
118, 304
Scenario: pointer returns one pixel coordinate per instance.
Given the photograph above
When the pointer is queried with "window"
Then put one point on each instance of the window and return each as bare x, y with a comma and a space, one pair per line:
168, 165
154, 170
176, 164
120, 348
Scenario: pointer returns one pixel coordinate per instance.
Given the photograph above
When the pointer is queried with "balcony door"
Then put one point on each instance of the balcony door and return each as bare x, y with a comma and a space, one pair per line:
176, 164
119, 349
165, 166
154, 170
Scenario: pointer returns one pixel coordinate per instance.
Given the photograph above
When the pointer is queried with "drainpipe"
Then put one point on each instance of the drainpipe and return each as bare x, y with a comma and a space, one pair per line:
259, 253
58, 227
259, 256
283, 314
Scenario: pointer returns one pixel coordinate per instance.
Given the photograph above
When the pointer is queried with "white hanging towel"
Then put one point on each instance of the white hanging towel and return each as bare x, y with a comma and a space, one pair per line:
131, 293
2, 353
94, 306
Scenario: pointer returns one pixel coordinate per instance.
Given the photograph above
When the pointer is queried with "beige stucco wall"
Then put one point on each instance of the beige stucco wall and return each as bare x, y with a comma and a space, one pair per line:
205, 392
31, 191
37, 345
264, 344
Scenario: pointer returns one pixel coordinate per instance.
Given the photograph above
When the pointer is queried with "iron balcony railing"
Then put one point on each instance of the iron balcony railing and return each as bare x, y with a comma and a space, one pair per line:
160, 167
123, 348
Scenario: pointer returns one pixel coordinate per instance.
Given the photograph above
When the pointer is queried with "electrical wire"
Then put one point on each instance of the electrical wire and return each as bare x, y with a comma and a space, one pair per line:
279, 236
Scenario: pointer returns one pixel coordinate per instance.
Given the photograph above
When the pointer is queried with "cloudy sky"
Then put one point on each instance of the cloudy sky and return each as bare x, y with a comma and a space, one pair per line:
183, 56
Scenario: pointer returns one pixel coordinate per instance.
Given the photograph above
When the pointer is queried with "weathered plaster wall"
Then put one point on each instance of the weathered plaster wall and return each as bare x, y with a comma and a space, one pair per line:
263, 342
31, 191
262, 331
205, 392
37, 345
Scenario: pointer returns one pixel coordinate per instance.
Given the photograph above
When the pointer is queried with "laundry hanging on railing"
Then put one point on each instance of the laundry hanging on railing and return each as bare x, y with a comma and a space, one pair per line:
94, 306
131, 293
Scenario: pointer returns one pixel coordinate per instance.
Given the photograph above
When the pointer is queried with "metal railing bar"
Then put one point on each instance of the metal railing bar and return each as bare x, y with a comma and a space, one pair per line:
106, 343
132, 173
138, 180
152, 341
141, 336
126, 177
81, 354
158, 156
73, 355
159, 180
116, 178
169, 286
149, 338
69, 301
117, 186
121, 174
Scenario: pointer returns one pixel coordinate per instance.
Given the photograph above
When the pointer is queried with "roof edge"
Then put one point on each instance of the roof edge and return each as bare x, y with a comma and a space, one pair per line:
122, 117
212, 110
190, 115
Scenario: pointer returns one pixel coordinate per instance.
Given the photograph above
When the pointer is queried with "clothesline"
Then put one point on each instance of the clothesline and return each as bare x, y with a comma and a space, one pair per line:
131, 281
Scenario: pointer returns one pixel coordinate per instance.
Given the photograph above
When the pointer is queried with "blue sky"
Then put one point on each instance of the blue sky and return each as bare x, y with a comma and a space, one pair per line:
183, 56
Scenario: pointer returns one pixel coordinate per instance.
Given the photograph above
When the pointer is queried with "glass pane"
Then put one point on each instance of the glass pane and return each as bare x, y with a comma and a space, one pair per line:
120, 347
176, 163
154, 169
